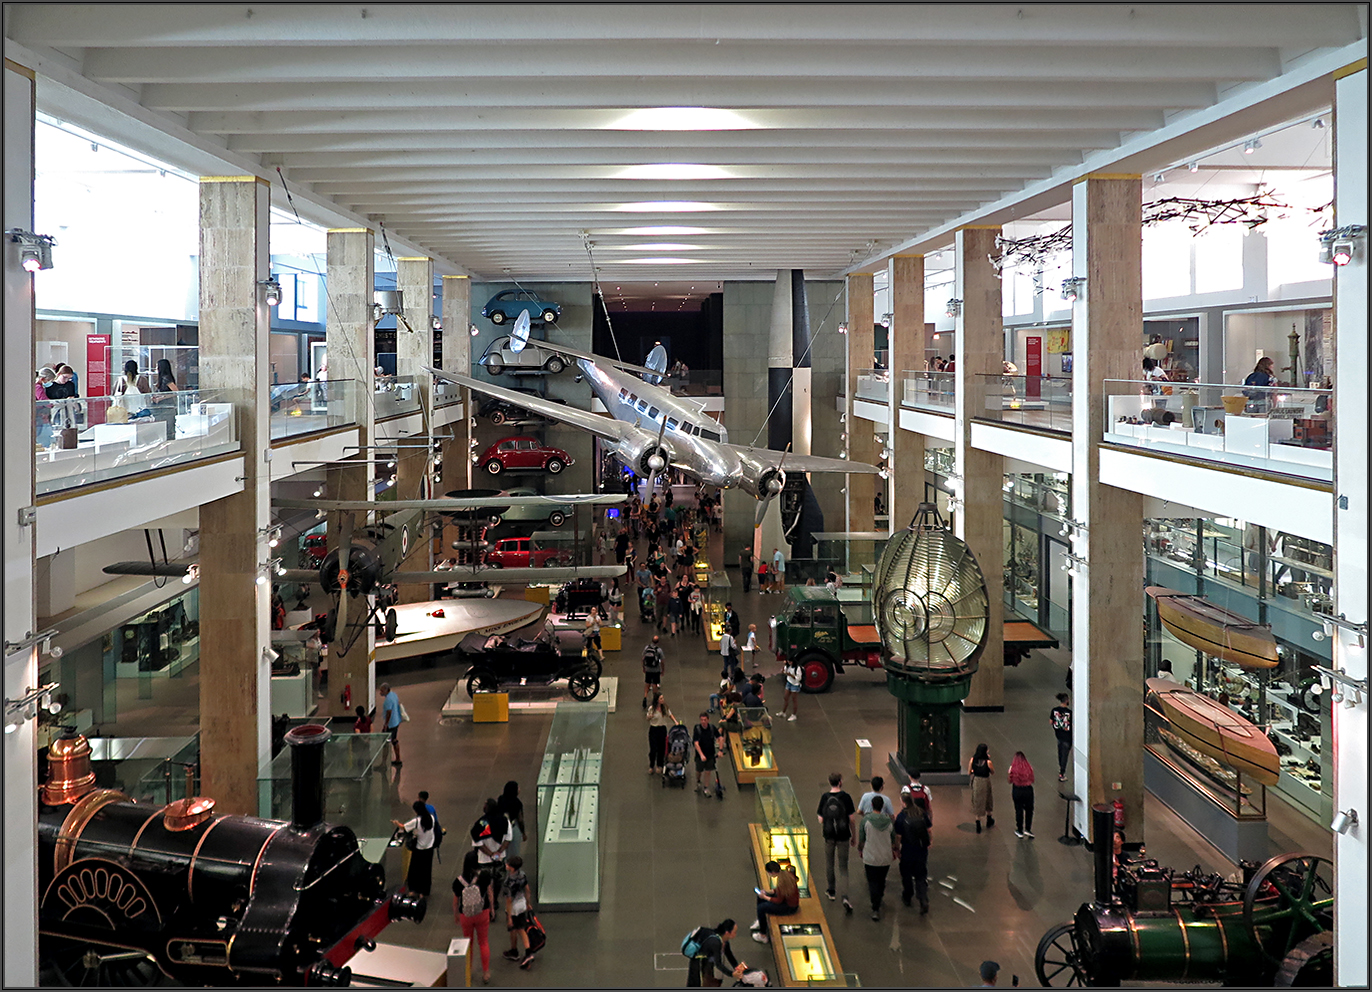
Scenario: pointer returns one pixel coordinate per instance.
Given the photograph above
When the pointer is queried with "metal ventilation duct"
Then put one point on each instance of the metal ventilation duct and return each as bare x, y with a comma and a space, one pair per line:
930, 602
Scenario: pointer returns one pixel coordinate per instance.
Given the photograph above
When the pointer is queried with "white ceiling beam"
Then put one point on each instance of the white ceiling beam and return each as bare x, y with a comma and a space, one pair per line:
589, 92
292, 25
400, 181
695, 64
795, 122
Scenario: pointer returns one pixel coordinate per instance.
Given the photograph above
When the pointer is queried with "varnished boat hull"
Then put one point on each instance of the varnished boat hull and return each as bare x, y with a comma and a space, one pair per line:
1218, 731
1213, 630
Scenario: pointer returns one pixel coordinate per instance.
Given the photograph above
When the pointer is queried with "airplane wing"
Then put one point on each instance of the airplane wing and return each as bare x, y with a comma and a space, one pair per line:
606, 427
170, 569
801, 463
509, 576
437, 505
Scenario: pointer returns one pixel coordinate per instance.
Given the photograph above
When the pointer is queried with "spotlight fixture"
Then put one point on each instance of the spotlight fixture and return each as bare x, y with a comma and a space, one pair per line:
1072, 288
1192, 166
843, 327
1251, 145
1344, 821
35, 250
1341, 252
886, 319
472, 329
435, 323
271, 290
1339, 246
1318, 124
20, 711
1159, 177
390, 301
192, 573
953, 308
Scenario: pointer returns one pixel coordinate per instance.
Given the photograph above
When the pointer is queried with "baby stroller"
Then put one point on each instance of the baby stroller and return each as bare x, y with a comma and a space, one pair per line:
646, 604
678, 750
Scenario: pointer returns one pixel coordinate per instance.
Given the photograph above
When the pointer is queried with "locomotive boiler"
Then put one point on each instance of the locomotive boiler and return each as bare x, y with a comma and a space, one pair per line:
129, 893
1273, 927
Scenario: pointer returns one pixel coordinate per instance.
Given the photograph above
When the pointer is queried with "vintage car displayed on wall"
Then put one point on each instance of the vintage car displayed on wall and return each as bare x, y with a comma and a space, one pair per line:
533, 358
510, 303
523, 453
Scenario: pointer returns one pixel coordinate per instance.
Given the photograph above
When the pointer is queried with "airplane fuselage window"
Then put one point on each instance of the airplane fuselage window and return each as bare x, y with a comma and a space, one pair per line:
623, 393
632, 399
653, 412
642, 405
671, 423
687, 427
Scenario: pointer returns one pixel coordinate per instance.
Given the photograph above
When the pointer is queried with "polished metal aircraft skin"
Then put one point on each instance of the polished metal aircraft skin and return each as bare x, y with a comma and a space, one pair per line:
652, 428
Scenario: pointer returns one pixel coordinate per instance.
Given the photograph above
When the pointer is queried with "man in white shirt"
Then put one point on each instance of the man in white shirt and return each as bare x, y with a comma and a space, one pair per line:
728, 648
779, 565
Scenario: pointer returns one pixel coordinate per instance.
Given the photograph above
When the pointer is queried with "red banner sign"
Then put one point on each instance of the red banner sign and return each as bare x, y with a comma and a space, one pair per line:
97, 378
1033, 365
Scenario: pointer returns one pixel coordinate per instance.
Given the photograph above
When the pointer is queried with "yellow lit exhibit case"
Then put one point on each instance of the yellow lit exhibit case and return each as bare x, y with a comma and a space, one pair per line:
804, 956
569, 805
782, 835
717, 593
750, 748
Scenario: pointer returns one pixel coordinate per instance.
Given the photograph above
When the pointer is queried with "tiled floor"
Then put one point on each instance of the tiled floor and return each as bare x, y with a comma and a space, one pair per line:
673, 860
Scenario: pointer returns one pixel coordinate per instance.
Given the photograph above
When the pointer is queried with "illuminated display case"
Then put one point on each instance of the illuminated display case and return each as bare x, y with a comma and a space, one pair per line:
806, 954
717, 593
782, 836
569, 808
751, 750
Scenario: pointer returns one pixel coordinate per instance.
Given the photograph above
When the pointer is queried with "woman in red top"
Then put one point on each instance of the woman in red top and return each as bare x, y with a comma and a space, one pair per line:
1022, 794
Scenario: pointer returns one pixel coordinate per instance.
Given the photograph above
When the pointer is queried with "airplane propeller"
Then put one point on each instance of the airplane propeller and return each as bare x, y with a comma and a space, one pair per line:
773, 483
655, 461
519, 335
345, 550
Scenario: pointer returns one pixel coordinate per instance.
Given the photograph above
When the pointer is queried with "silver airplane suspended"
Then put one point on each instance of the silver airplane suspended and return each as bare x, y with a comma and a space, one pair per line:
652, 429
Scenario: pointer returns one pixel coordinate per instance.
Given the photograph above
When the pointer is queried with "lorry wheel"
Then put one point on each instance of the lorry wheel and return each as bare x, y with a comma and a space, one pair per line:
818, 672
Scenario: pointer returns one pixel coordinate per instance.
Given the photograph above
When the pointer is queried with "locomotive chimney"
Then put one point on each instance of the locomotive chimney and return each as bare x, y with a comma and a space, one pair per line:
307, 774
1103, 837
69, 770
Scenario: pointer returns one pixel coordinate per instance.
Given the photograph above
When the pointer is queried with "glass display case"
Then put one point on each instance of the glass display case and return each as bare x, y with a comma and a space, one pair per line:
717, 593
805, 954
782, 834
353, 795
751, 747
569, 807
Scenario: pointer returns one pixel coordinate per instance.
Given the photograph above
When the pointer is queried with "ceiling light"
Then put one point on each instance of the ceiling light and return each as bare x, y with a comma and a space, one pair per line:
666, 207
659, 261
1251, 145
673, 171
1341, 253
1318, 123
662, 229
658, 246
35, 250
680, 119
1159, 177
1192, 166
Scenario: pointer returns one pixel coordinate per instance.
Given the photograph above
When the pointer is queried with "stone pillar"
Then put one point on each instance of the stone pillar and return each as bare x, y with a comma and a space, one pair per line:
414, 349
979, 345
20, 618
351, 354
748, 310
457, 357
1107, 601
862, 489
906, 464
235, 329
829, 353
1350, 728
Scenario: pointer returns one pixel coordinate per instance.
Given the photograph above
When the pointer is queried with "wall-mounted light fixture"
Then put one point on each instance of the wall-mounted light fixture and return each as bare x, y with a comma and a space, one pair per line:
42, 640
192, 573
20, 711
1072, 288
843, 327
435, 322
886, 319
1330, 622
1339, 245
1342, 688
271, 290
35, 250
1344, 821
954, 308
1251, 145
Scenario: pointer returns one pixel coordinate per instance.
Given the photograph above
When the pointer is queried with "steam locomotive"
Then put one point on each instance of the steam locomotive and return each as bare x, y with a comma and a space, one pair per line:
129, 893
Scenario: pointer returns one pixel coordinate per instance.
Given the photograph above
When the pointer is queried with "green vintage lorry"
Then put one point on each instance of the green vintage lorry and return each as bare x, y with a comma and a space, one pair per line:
826, 631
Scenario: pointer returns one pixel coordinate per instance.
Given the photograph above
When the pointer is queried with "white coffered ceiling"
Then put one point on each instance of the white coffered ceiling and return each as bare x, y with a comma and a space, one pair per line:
492, 136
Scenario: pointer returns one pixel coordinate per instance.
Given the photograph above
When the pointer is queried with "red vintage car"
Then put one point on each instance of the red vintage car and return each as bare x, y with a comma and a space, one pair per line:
313, 549
523, 552
523, 453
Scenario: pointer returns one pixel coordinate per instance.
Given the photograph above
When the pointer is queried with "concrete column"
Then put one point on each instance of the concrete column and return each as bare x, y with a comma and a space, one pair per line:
1107, 646
20, 619
861, 447
906, 279
351, 354
979, 346
1350, 728
829, 353
748, 308
414, 349
235, 329
457, 357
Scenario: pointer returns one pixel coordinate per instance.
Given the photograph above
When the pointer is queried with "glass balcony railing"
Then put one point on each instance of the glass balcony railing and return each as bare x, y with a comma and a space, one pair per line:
1277, 428
929, 390
1031, 401
874, 385
306, 407
80, 441
446, 393
396, 396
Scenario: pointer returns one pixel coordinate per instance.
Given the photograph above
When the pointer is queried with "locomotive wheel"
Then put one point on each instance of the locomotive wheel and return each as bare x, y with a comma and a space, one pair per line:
584, 685
1057, 962
1310, 965
1303, 907
482, 681
76, 965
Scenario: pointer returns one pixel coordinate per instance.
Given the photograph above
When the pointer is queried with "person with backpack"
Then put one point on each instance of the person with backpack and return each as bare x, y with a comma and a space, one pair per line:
835, 813
1060, 718
473, 903
711, 955
652, 667
438, 827
519, 911
912, 827
878, 845
490, 835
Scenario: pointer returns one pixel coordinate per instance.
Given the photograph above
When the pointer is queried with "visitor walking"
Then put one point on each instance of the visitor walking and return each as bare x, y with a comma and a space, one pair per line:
473, 902
1061, 720
912, 827
980, 770
878, 847
836, 825
1022, 794
659, 718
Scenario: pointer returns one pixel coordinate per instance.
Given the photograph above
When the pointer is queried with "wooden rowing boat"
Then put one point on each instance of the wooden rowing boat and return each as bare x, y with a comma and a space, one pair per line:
1197, 622
1214, 729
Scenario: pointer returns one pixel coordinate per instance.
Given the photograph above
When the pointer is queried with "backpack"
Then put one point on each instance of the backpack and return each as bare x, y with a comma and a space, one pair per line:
652, 660
916, 827
835, 817
691, 945
473, 902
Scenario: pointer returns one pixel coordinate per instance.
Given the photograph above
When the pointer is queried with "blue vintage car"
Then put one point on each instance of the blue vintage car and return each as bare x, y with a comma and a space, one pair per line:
510, 303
